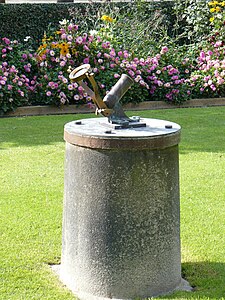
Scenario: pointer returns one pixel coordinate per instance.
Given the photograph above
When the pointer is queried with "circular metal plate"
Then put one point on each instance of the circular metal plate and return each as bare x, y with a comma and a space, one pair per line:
78, 74
96, 133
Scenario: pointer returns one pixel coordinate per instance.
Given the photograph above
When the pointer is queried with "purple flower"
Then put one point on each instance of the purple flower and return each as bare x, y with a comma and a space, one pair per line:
24, 56
86, 60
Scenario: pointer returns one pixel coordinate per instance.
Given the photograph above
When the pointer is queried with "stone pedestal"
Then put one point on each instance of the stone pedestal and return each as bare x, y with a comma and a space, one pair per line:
121, 224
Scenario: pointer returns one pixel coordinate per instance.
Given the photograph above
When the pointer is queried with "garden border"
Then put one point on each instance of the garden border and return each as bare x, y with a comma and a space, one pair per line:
82, 109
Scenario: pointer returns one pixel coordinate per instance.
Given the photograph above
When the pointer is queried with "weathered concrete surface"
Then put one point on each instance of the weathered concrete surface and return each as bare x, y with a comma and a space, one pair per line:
121, 224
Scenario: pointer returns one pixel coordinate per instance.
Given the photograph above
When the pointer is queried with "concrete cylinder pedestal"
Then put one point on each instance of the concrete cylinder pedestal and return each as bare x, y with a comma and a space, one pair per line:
121, 224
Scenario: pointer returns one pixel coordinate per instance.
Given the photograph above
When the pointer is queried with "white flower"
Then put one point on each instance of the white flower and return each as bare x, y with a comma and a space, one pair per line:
52, 53
27, 38
76, 97
63, 22
93, 32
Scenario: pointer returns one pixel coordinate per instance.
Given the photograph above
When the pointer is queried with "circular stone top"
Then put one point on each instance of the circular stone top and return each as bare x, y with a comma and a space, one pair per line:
97, 133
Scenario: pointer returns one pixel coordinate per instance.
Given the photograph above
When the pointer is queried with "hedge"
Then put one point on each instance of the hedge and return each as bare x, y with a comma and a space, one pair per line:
20, 20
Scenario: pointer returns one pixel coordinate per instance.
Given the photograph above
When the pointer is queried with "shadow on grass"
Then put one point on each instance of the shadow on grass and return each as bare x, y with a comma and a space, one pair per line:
206, 278
34, 131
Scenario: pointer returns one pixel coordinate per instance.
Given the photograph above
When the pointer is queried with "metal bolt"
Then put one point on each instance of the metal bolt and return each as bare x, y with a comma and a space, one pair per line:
136, 118
168, 126
78, 122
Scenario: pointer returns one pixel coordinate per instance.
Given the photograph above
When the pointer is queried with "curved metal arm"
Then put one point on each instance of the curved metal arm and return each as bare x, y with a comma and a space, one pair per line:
77, 75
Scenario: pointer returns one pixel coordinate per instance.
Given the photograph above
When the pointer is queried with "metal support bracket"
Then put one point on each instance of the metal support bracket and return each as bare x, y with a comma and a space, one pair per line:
109, 106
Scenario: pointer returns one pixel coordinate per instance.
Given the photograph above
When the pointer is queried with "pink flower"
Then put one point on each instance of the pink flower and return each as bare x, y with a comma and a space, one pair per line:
63, 100
131, 73
169, 96
70, 87
104, 45
212, 86
86, 48
70, 27
21, 93
69, 38
164, 50
218, 44
175, 91
220, 80
125, 54
112, 53
79, 40
6, 40
48, 93
80, 89
62, 63
116, 75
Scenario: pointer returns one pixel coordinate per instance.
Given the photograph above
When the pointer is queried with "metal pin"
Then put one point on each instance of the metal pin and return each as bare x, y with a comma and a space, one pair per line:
78, 122
168, 126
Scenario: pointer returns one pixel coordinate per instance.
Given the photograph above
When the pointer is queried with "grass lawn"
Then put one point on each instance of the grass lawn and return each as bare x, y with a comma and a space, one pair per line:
31, 195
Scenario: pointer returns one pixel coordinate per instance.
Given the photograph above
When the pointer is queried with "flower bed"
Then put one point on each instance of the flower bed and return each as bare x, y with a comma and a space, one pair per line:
173, 74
